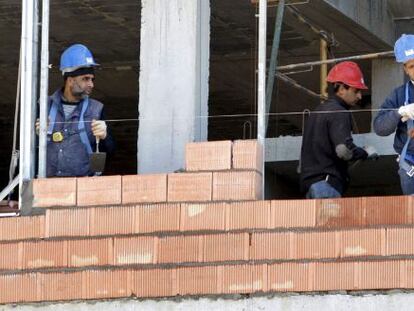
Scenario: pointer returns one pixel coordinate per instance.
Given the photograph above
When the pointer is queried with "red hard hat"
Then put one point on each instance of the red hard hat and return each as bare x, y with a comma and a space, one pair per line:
347, 73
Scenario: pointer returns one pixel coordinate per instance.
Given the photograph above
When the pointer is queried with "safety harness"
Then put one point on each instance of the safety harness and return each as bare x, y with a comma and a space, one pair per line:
409, 169
81, 124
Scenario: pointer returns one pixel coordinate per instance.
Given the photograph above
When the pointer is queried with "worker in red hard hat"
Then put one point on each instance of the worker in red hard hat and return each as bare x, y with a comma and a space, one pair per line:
327, 144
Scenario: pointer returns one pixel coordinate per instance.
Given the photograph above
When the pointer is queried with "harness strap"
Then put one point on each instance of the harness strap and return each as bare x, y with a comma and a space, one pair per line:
81, 125
410, 125
52, 118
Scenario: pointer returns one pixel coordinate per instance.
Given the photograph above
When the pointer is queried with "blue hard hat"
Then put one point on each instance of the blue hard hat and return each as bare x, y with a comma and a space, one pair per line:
76, 56
404, 48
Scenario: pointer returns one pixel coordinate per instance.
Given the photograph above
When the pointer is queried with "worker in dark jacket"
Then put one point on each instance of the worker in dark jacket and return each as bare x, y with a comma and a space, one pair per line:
327, 145
397, 114
75, 120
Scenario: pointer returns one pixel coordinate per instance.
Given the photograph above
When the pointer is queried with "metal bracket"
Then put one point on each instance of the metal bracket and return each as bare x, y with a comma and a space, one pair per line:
310, 69
289, 3
245, 125
26, 198
5, 192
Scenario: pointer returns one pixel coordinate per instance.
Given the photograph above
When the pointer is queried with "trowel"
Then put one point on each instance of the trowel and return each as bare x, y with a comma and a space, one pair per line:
97, 160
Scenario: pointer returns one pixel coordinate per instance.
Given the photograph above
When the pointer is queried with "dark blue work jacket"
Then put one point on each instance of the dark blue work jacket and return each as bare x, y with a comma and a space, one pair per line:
70, 156
389, 121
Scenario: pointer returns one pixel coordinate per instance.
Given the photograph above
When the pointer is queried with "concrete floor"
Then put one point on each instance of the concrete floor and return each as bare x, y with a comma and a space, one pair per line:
367, 301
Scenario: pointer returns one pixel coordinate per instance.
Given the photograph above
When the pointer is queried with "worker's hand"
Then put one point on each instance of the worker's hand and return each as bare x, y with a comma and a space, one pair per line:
372, 152
37, 125
406, 112
99, 129
410, 133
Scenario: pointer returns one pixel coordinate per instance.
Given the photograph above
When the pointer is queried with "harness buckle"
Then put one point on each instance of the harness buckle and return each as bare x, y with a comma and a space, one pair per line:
411, 172
57, 137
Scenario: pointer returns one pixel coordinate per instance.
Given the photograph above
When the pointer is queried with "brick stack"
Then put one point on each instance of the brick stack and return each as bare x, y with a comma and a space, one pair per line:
202, 232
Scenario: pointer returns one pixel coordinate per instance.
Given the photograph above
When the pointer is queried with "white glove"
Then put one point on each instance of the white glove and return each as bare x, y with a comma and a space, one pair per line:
372, 152
37, 125
406, 112
99, 129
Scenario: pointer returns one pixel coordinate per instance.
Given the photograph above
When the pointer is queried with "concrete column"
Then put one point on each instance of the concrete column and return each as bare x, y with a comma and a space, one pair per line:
173, 99
386, 75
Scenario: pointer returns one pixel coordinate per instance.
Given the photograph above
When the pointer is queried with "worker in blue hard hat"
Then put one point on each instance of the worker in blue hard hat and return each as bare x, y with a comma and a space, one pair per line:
76, 121
397, 114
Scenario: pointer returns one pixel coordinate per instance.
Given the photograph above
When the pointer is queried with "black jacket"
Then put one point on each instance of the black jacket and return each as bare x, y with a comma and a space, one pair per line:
322, 134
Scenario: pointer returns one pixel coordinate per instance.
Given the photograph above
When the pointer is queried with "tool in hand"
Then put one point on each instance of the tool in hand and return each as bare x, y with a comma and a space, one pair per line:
97, 160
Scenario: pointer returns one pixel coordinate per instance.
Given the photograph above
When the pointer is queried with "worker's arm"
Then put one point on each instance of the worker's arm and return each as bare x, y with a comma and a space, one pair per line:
340, 132
387, 119
101, 129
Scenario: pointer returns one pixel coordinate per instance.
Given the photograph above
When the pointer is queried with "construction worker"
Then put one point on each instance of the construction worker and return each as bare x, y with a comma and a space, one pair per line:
327, 145
75, 120
397, 114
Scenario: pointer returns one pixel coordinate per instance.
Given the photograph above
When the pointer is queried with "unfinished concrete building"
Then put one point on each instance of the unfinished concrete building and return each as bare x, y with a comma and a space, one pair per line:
177, 73
203, 85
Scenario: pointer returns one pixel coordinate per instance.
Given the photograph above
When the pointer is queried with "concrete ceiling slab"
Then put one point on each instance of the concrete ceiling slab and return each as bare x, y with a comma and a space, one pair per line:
401, 8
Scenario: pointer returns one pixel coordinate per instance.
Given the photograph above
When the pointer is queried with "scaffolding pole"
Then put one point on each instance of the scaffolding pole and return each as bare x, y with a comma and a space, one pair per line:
261, 84
44, 86
296, 85
336, 60
324, 68
273, 59
28, 101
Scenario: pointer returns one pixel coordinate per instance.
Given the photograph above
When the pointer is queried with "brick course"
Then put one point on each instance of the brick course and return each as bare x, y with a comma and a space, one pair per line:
189, 187
237, 186
208, 156
103, 190
247, 154
144, 188
54, 192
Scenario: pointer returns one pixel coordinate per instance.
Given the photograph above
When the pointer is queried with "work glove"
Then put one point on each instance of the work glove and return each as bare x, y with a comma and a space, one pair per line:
343, 152
37, 125
406, 112
99, 129
372, 153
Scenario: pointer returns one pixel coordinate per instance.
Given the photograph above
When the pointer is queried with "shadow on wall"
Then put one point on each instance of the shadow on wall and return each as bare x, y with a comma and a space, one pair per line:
369, 178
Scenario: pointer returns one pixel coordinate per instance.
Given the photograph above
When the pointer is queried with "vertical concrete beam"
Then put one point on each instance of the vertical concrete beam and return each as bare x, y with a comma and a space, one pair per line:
386, 75
173, 99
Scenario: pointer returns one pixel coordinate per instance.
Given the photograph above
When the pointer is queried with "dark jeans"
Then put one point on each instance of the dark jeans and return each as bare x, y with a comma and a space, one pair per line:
322, 189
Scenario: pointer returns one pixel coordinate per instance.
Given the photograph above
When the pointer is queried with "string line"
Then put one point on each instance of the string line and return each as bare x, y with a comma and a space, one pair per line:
225, 116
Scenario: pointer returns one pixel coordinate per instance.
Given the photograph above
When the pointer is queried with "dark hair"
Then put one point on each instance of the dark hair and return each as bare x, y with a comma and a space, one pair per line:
334, 87
79, 72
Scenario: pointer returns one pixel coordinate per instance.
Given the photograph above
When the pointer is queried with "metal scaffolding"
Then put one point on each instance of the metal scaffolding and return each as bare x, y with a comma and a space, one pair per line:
29, 46
261, 82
